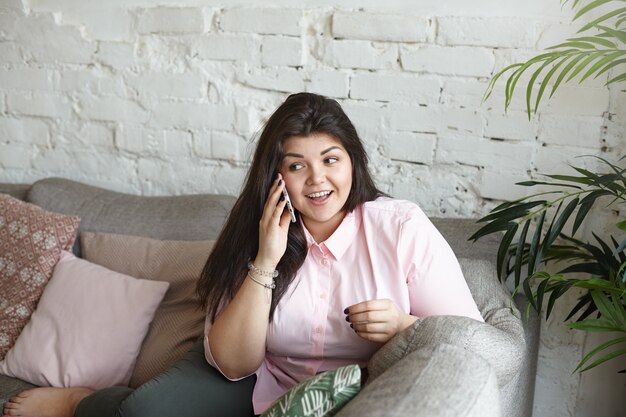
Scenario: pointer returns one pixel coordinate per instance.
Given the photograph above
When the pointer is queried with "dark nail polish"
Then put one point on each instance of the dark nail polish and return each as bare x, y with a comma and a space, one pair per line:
351, 326
347, 318
280, 182
282, 197
346, 311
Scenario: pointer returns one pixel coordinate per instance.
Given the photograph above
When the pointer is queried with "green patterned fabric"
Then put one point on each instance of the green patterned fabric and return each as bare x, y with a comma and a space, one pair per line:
323, 395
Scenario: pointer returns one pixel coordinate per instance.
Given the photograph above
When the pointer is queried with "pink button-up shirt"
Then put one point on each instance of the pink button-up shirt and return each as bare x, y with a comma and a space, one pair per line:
384, 249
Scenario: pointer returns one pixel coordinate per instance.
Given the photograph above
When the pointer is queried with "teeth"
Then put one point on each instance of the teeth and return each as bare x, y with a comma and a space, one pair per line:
320, 194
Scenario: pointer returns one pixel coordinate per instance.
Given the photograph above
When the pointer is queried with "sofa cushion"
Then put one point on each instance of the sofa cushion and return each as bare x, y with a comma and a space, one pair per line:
87, 329
322, 395
31, 241
178, 321
184, 217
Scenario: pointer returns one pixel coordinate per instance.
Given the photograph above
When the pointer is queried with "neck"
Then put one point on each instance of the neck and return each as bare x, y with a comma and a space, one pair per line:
320, 231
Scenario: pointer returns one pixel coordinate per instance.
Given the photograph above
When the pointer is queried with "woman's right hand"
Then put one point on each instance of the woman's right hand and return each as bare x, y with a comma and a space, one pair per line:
273, 228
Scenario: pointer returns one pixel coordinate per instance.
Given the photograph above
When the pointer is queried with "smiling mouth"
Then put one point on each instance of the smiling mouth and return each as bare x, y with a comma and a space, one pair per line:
321, 194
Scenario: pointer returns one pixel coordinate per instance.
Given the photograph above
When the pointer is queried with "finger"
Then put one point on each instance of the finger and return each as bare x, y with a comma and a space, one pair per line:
380, 316
273, 198
369, 305
381, 327
375, 337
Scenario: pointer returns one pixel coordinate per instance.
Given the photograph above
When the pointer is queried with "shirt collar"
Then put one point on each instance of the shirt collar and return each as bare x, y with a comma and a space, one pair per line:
342, 237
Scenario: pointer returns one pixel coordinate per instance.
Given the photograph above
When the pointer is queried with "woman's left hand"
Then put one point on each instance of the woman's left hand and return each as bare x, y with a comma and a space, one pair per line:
378, 320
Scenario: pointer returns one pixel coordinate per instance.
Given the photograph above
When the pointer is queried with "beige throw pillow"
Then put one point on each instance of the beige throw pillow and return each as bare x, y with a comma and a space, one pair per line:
178, 321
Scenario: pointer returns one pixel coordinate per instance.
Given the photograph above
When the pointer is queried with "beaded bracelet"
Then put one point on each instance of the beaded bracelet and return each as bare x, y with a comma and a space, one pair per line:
269, 286
262, 272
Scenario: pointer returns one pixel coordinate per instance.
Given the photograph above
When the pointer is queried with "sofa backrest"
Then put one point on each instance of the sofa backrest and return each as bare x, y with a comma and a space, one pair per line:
185, 217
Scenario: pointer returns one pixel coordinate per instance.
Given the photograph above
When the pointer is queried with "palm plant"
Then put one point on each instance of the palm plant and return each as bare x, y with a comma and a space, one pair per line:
591, 54
599, 268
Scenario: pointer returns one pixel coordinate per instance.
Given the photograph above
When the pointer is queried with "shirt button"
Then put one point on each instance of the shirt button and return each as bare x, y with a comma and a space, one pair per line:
318, 329
324, 262
323, 296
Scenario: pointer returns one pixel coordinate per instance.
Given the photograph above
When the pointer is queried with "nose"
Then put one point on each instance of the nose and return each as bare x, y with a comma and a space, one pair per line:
317, 175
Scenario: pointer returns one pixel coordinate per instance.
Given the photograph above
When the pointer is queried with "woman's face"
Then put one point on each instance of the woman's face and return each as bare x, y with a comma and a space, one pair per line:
317, 172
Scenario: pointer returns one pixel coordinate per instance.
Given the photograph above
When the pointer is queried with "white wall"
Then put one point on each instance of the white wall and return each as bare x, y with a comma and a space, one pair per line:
164, 97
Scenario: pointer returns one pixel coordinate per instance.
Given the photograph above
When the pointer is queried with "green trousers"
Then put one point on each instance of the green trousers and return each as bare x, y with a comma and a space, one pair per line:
191, 388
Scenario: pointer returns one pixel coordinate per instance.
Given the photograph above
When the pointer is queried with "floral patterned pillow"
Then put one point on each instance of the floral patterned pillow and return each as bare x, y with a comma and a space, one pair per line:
323, 395
31, 241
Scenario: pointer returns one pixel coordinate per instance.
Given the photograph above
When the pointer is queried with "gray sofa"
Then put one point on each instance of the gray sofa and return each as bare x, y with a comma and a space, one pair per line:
457, 366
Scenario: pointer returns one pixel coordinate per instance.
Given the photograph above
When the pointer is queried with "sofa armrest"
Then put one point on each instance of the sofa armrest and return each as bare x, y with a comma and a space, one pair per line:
502, 347
432, 381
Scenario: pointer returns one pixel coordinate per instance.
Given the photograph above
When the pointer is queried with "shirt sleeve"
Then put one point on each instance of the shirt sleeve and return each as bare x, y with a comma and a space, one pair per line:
434, 277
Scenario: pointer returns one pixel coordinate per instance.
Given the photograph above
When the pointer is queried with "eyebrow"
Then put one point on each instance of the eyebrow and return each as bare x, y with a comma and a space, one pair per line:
325, 151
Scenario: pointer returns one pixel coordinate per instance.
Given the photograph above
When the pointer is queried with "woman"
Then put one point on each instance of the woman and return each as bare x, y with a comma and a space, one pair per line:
286, 300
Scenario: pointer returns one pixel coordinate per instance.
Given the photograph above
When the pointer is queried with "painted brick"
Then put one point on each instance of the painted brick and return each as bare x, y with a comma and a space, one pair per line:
9, 53
490, 31
286, 80
368, 118
248, 119
556, 159
582, 131
16, 155
465, 93
93, 81
62, 43
381, 27
87, 135
170, 20
187, 115
362, 54
113, 109
281, 51
201, 144
461, 61
26, 79
513, 125
10, 20
501, 185
227, 47
261, 20
186, 85
137, 139
396, 88
496, 156
44, 105
107, 24
23, 130
177, 143
577, 100
412, 147
329, 83
226, 145
463, 121
117, 55
426, 119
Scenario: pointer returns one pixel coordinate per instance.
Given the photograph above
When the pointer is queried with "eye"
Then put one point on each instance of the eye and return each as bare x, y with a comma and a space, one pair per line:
331, 160
295, 167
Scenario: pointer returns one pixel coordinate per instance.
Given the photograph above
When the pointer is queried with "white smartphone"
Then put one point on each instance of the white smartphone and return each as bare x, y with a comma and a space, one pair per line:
289, 206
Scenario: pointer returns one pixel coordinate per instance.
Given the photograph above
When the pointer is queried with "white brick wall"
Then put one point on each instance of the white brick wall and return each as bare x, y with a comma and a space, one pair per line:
172, 93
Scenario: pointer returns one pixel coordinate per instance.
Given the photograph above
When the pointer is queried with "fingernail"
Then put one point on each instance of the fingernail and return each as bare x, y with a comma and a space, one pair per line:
351, 326
347, 318
282, 197
280, 182
346, 311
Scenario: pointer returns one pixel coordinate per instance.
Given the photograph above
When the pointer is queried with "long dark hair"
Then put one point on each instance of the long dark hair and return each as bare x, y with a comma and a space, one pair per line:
301, 114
